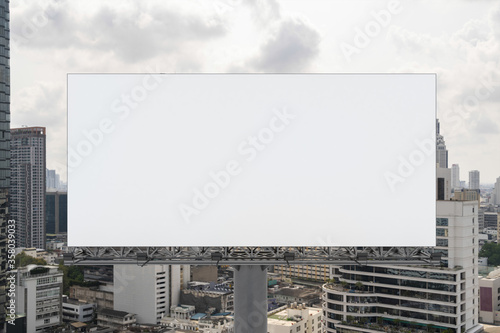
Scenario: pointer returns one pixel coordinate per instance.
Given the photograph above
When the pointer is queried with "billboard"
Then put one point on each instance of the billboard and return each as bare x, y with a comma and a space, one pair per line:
251, 159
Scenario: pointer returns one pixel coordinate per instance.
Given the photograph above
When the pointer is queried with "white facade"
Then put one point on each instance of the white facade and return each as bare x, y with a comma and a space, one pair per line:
474, 180
73, 310
148, 291
296, 318
38, 296
455, 176
442, 297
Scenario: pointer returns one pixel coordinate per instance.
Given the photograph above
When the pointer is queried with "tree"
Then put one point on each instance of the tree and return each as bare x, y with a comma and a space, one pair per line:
359, 285
22, 260
71, 275
492, 252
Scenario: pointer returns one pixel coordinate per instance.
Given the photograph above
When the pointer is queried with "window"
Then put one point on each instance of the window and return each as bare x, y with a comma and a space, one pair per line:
46, 321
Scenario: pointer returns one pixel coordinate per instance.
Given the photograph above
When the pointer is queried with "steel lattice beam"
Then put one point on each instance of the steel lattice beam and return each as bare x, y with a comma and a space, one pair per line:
251, 255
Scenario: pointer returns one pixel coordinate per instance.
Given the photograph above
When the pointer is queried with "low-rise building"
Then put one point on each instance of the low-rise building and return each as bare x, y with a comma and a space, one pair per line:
295, 318
286, 295
75, 310
115, 318
489, 298
97, 295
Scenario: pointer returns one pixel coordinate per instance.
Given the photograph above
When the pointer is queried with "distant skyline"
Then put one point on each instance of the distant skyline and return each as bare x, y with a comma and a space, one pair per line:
459, 40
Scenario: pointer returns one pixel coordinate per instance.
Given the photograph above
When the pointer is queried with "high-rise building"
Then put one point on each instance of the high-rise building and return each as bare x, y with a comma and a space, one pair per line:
39, 296
441, 151
27, 187
474, 180
440, 299
56, 211
455, 176
496, 193
4, 148
148, 291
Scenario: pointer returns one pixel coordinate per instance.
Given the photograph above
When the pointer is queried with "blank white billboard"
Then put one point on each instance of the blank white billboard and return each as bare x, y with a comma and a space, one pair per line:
251, 159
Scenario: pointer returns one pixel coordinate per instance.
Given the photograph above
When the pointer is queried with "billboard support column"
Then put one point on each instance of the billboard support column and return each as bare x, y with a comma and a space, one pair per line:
250, 298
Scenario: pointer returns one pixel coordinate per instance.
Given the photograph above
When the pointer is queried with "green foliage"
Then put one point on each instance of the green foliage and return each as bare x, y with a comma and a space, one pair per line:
22, 260
492, 252
72, 275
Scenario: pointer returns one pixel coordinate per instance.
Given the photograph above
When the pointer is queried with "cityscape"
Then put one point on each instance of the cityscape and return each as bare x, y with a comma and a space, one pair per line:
39, 293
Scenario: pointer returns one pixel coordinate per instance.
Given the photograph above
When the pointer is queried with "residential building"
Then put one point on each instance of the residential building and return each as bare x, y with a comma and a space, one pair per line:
183, 318
4, 148
74, 310
474, 180
208, 295
295, 318
56, 210
308, 296
426, 297
489, 298
308, 272
27, 187
148, 291
114, 318
100, 296
39, 296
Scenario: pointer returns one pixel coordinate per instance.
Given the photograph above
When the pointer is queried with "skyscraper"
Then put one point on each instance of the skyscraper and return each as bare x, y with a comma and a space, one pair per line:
496, 193
441, 151
56, 212
27, 188
455, 176
4, 147
474, 180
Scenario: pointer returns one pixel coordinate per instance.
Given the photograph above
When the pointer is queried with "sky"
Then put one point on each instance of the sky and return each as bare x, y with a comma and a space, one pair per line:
458, 40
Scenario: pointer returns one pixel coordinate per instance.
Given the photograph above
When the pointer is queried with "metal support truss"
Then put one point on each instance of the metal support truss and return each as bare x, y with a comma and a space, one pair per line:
252, 255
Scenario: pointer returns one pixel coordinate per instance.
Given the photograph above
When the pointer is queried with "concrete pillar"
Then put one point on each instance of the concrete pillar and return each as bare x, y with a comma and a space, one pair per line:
250, 299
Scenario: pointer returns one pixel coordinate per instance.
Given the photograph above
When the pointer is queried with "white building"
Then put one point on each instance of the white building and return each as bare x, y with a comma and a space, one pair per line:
39, 296
148, 291
455, 176
74, 310
295, 318
419, 297
474, 180
489, 306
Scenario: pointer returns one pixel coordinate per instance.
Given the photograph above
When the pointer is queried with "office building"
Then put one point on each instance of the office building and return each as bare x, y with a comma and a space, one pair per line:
442, 299
474, 180
39, 296
455, 176
56, 212
27, 187
148, 291
441, 151
4, 147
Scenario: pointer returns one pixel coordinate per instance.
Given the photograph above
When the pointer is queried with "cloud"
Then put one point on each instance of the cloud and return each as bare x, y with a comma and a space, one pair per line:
290, 48
132, 32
